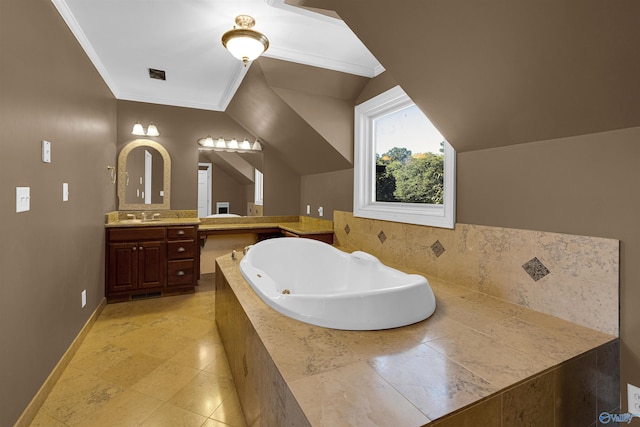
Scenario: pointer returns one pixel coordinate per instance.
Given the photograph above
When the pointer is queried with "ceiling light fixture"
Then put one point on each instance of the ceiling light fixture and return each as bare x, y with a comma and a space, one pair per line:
152, 130
233, 145
245, 43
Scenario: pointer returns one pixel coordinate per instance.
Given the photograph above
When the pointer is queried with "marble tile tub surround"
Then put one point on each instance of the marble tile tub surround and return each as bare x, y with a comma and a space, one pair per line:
477, 358
571, 277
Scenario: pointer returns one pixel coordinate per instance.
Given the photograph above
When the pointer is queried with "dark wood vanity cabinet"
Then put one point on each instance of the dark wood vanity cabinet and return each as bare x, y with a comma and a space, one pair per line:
182, 254
150, 261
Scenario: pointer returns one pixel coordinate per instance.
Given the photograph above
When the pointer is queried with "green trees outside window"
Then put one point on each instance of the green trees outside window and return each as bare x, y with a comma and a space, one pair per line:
404, 177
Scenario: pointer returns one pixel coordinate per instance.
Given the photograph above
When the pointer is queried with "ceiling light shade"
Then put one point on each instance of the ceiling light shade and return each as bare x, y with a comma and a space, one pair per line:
152, 130
245, 43
221, 143
206, 142
233, 145
137, 129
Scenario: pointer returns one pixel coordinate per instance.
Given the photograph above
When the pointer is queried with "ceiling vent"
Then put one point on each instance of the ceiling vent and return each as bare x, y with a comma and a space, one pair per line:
157, 74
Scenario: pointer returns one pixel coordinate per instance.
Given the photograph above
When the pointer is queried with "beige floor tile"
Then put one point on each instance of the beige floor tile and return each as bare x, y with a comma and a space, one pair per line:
171, 416
128, 409
165, 381
131, 370
157, 362
44, 420
78, 395
204, 393
230, 412
199, 353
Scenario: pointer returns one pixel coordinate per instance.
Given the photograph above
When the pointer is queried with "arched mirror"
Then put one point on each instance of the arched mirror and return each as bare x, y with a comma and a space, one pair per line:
144, 176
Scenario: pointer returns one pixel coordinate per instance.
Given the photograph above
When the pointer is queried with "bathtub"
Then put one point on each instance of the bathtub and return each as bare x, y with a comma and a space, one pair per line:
316, 283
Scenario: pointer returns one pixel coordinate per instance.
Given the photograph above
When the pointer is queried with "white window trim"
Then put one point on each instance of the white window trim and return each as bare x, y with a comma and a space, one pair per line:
258, 188
364, 203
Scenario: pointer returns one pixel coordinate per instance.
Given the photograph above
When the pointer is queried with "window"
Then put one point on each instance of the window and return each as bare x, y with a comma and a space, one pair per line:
404, 168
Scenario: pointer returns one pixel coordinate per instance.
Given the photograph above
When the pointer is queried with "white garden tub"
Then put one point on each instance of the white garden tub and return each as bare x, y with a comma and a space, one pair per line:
318, 284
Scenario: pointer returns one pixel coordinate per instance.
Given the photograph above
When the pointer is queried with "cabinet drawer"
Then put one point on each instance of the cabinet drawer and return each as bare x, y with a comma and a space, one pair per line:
181, 232
180, 272
180, 249
131, 233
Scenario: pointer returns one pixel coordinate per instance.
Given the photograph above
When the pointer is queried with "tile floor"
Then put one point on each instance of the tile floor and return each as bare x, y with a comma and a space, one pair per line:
156, 362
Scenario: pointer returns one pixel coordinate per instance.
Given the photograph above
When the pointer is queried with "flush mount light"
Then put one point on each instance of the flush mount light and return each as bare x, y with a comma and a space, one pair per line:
243, 42
152, 130
232, 145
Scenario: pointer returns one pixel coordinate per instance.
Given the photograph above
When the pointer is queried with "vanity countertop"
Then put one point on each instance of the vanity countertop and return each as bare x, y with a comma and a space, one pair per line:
163, 222
119, 219
474, 346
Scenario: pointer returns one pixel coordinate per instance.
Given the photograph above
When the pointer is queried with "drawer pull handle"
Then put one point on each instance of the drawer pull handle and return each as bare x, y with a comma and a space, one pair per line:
181, 249
180, 232
180, 273
135, 249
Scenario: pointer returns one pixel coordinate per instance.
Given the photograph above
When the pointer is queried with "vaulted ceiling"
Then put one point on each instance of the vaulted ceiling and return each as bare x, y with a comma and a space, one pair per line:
494, 72
488, 74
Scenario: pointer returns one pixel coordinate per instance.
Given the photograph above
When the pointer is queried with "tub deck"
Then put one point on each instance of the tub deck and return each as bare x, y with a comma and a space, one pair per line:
477, 358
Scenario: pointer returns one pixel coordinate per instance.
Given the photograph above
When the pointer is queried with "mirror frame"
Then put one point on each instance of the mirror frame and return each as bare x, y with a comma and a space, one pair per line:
122, 176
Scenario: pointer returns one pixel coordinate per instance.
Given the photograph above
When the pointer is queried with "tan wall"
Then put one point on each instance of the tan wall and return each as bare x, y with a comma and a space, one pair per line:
281, 187
49, 90
584, 185
226, 189
179, 128
332, 190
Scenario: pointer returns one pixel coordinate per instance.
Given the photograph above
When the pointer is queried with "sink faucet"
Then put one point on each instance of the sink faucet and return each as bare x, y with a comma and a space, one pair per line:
131, 216
246, 249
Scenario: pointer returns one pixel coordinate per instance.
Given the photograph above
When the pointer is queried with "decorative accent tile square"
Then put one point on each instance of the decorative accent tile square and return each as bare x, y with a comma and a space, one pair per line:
347, 229
536, 269
382, 237
437, 248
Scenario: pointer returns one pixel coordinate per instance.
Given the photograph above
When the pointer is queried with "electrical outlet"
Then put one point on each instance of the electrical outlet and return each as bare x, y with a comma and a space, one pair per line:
308, 209
633, 396
84, 298
320, 211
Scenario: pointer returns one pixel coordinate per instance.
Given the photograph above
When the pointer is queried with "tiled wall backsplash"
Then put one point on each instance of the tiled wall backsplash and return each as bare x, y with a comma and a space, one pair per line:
572, 277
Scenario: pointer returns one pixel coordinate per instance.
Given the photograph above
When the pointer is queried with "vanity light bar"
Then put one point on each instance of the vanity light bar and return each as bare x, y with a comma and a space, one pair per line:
221, 144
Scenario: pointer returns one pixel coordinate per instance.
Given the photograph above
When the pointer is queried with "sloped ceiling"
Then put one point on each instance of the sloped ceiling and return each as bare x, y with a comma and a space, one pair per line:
287, 119
496, 73
239, 166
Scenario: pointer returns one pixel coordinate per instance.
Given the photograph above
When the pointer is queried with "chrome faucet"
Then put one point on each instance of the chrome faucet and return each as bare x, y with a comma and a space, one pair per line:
131, 216
246, 249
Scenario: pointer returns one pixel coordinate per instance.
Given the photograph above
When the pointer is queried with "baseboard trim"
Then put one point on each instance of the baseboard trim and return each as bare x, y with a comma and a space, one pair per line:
36, 403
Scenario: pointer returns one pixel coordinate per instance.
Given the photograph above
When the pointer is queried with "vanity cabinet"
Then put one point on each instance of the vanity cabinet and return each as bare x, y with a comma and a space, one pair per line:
182, 255
323, 237
150, 261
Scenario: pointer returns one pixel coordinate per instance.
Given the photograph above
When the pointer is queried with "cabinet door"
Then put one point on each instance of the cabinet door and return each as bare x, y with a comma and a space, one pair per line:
152, 264
123, 266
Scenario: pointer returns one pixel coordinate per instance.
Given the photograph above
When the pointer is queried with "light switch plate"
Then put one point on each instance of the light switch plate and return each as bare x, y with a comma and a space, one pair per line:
65, 192
23, 198
46, 151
